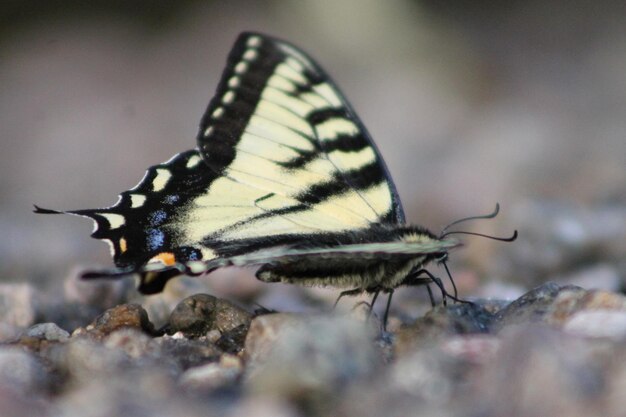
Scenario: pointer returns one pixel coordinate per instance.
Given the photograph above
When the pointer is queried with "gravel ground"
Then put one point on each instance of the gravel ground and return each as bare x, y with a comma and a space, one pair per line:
556, 350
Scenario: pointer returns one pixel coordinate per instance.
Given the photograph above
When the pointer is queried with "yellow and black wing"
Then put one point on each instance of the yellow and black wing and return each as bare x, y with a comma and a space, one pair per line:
282, 159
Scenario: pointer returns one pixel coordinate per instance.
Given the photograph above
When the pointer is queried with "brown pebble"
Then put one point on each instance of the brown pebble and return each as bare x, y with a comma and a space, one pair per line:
125, 315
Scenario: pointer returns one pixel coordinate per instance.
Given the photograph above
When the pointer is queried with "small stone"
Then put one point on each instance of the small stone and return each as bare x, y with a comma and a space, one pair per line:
570, 303
201, 313
440, 322
133, 342
9, 332
213, 375
47, 331
83, 359
597, 323
20, 371
17, 304
188, 353
536, 305
125, 315
233, 341
310, 358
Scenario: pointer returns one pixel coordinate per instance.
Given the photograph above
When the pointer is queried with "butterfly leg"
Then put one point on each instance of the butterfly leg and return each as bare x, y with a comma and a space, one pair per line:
416, 278
355, 291
369, 313
386, 316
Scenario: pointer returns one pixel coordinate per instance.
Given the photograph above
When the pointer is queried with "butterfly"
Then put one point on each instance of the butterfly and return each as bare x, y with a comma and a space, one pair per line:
285, 178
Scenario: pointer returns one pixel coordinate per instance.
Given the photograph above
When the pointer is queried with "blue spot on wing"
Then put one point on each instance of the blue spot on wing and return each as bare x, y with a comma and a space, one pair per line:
172, 199
158, 217
155, 239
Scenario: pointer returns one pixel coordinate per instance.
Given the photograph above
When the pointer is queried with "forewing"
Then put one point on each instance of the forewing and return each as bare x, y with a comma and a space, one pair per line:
278, 123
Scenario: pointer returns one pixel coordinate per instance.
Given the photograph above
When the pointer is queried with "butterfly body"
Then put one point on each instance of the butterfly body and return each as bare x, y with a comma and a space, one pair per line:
284, 178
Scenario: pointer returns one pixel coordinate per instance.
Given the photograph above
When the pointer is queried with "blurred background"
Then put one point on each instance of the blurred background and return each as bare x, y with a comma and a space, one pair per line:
470, 102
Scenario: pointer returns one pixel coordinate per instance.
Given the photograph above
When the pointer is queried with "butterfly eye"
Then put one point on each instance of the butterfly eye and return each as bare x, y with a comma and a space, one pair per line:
441, 257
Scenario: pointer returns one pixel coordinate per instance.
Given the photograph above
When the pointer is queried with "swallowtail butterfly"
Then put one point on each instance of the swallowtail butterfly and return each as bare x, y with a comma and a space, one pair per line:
284, 177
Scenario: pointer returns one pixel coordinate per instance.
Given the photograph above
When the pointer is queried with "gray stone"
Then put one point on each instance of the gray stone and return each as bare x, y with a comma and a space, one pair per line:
201, 313
536, 305
188, 353
48, 331
598, 323
213, 375
441, 322
310, 358
20, 371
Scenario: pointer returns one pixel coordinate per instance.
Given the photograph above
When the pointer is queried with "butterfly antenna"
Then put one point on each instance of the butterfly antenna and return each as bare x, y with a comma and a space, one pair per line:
501, 239
491, 215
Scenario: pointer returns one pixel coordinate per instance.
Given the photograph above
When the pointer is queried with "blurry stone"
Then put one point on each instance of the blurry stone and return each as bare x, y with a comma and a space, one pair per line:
214, 375
83, 359
233, 340
474, 349
188, 353
598, 323
160, 306
201, 313
9, 332
568, 303
125, 315
20, 371
48, 331
264, 406
426, 379
535, 305
132, 392
308, 358
462, 318
17, 304
539, 371
616, 385
133, 342
22, 404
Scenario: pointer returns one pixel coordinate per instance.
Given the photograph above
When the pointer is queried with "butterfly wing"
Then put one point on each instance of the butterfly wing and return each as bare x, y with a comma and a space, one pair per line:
281, 159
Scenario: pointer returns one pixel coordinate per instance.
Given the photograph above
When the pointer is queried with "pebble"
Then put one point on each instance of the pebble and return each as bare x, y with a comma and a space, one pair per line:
460, 359
20, 371
199, 314
125, 315
48, 331
310, 358
226, 372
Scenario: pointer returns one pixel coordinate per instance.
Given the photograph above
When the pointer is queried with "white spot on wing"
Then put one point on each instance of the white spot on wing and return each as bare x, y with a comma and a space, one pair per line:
137, 200
193, 161
217, 113
208, 131
115, 220
250, 55
241, 67
253, 41
161, 179
228, 97
233, 82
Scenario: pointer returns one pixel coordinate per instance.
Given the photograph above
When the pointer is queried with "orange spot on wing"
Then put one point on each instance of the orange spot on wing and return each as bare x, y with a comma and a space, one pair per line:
166, 258
123, 245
